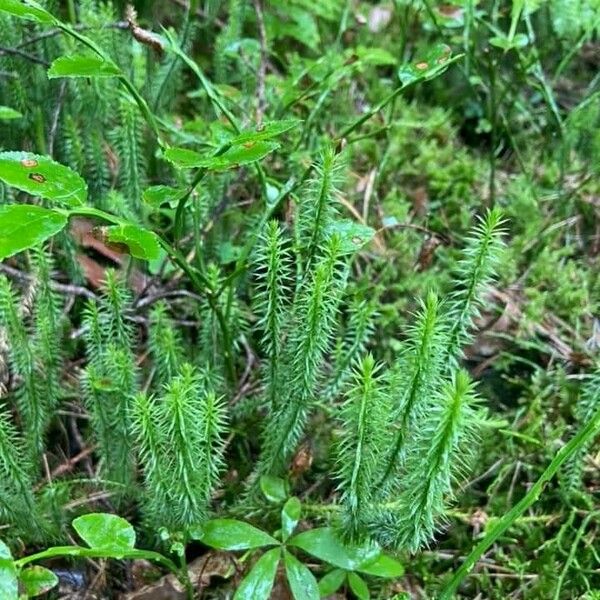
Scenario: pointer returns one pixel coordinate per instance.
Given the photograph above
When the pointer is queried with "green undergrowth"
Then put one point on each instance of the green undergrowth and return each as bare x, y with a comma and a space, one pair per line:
327, 270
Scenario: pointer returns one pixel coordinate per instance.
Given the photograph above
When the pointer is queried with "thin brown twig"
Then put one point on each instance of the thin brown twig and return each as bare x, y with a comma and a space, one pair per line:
25, 55
54, 32
67, 466
75, 290
55, 116
152, 298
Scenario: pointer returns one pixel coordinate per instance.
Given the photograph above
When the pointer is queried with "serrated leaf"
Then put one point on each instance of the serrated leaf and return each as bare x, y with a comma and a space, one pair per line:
80, 65
37, 580
234, 157
231, 534
352, 235
382, 566
257, 585
430, 65
303, 584
184, 158
325, 545
358, 586
157, 195
104, 531
27, 10
332, 582
9, 587
266, 132
7, 113
274, 488
24, 226
141, 242
41, 176
290, 515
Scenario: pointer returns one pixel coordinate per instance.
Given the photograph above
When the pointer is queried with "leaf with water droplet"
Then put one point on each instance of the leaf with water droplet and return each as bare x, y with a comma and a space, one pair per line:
434, 62
41, 176
258, 583
353, 235
7, 113
28, 9
79, 65
302, 582
383, 566
266, 131
24, 226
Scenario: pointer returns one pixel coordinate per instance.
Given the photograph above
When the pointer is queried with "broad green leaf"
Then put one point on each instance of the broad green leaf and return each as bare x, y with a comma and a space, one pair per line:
23, 226
353, 235
9, 587
5, 551
41, 176
266, 132
375, 56
234, 157
325, 545
157, 195
274, 488
290, 515
433, 63
358, 586
141, 242
104, 531
302, 582
257, 585
332, 582
37, 580
79, 65
27, 10
7, 113
230, 534
382, 566
184, 158
518, 41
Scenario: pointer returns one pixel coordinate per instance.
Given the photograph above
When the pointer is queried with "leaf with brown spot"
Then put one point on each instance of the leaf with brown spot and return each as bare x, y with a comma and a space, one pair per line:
50, 180
432, 64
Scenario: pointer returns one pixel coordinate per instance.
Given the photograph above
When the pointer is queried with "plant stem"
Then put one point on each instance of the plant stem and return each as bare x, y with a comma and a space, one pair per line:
81, 552
493, 133
582, 437
198, 280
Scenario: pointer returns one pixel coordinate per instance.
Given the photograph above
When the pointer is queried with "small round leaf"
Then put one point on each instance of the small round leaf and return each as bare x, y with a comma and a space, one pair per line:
104, 531
37, 580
